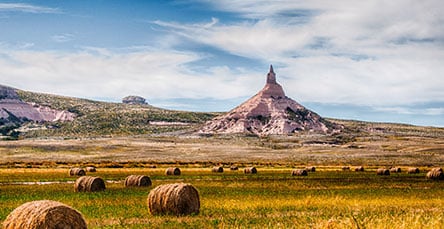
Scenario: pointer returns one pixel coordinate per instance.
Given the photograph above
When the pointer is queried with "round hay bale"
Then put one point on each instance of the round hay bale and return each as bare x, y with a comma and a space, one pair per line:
217, 169
89, 184
250, 170
383, 171
311, 169
395, 170
412, 170
359, 169
174, 199
172, 171
345, 168
233, 167
435, 174
77, 172
44, 214
137, 181
91, 169
299, 172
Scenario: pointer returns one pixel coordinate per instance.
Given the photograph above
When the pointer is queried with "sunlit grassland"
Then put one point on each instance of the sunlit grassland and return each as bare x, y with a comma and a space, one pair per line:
327, 198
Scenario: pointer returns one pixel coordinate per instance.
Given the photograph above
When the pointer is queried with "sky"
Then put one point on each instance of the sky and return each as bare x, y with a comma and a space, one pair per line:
370, 60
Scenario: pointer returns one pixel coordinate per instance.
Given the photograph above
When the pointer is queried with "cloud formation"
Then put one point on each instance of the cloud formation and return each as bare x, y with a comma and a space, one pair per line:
61, 38
102, 73
366, 53
27, 8
364, 56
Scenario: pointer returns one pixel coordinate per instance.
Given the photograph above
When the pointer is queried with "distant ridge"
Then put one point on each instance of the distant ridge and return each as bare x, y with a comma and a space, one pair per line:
269, 112
32, 114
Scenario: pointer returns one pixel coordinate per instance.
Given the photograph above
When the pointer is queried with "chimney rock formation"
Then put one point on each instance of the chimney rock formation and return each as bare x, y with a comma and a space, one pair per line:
269, 112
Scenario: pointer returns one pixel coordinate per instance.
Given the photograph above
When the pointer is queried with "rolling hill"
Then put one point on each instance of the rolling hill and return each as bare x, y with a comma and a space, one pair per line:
104, 119
94, 118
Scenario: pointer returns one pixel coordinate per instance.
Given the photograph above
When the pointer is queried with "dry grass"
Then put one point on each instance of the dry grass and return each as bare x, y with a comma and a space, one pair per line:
44, 214
272, 198
375, 145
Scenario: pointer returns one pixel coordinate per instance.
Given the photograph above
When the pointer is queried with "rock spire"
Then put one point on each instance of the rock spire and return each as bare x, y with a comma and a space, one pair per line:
271, 76
269, 112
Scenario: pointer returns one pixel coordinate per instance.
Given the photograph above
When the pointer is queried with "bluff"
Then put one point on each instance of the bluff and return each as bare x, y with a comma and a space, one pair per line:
133, 99
12, 108
269, 112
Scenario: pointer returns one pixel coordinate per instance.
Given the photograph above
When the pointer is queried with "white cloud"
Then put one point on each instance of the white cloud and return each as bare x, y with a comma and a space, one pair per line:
27, 8
61, 38
360, 52
386, 55
102, 73
412, 111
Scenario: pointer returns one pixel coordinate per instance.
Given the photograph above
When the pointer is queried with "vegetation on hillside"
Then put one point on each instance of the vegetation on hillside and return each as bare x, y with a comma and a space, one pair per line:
95, 118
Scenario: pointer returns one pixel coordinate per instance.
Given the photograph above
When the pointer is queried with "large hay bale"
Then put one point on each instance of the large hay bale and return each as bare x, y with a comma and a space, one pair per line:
217, 169
359, 169
383, 171
91, 169
299, 172
77, 172
395, 170
310, 169
250, 170
172, 171
435, 174
137, 181
412, 170
44, 214
89, 184
174, 199
233, 167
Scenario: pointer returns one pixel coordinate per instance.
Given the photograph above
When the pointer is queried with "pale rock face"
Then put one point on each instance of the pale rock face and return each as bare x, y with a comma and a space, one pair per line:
10, 103
269, 112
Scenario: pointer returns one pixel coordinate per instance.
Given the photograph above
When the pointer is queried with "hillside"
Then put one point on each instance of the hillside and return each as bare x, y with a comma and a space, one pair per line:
95, 118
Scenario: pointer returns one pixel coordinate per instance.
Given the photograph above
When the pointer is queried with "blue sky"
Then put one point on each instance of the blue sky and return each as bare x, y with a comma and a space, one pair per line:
367, 60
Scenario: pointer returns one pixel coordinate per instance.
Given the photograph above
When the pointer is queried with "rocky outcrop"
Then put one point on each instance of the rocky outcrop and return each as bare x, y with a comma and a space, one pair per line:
269, 112
8, 93
11, 106
132, 99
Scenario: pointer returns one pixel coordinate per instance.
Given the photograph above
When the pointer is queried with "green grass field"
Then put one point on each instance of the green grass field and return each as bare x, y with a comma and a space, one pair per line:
327, 198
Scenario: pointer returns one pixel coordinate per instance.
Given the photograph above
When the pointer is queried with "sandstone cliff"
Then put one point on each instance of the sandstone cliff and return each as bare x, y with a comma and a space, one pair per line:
11, 106
269, 112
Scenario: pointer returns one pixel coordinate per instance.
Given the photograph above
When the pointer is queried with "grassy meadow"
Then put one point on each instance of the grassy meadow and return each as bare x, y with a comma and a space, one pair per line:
327, 198
37, 168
